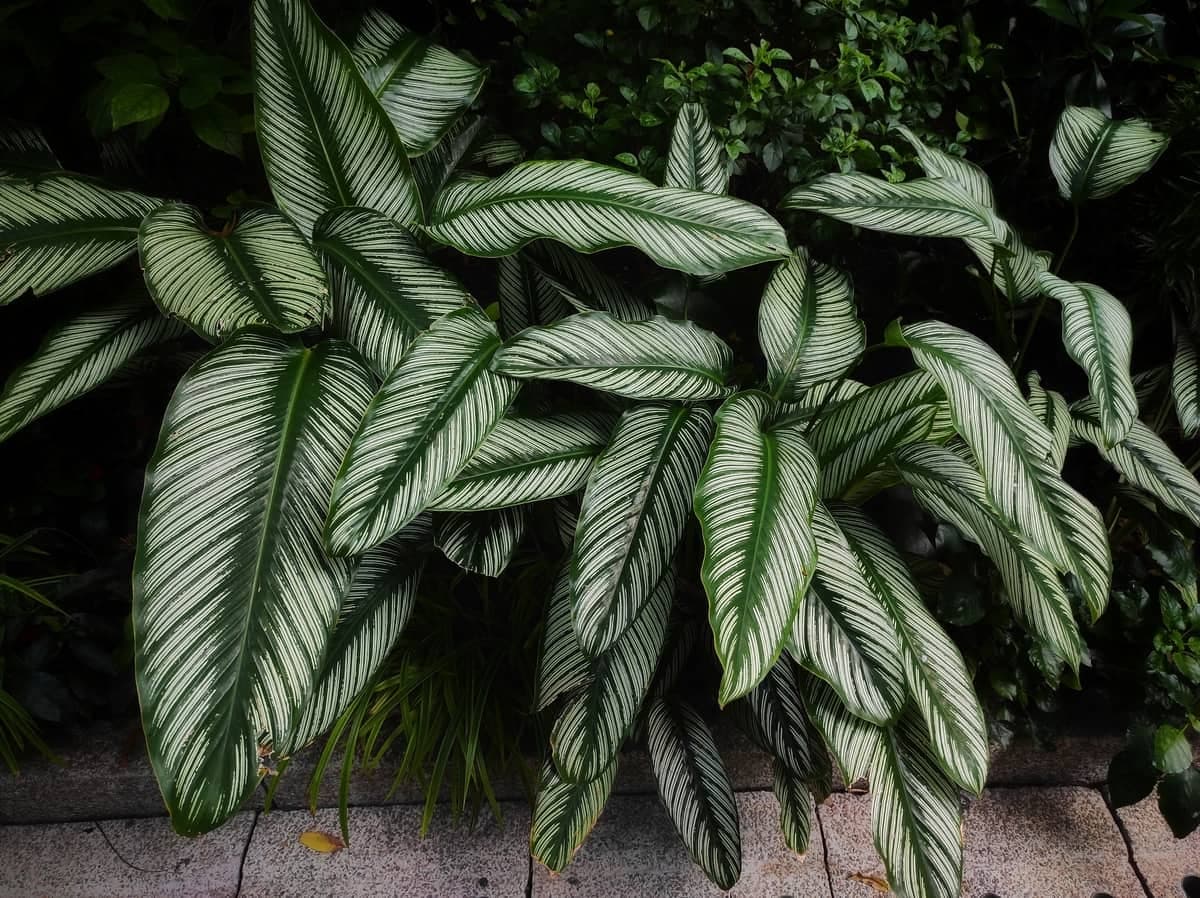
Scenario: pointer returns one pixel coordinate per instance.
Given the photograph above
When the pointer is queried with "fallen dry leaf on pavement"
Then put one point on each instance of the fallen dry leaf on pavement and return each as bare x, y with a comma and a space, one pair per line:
315, 840
878, 883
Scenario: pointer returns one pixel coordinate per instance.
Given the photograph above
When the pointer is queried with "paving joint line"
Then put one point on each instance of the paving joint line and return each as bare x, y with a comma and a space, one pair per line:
1128, 840
245, 853
824, 850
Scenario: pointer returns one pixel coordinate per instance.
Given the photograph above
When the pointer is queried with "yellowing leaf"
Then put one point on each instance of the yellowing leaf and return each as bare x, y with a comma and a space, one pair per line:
315, 840
877, 883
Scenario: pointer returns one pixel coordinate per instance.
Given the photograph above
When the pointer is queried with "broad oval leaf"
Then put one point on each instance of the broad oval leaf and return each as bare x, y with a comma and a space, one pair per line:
754, 501
1185, 380
808, 326
419, 431
695, 788
696, 159
592, 207
259, 272
422, 87
592, 726
564, 814
634, 509
234, 598
654, 359
60, 228
526, 460
482, 542
1093, 156
1051, 409
79, 354
562, 665
527, 297
324, 138
1098, 335
385, 289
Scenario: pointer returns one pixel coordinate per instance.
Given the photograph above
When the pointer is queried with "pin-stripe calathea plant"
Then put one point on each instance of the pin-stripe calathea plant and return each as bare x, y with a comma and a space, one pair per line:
359, 407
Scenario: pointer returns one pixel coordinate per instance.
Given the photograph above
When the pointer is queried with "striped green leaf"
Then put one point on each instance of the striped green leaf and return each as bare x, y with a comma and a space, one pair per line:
655, 359
954, 491
564, 814
374, 612
385, 289
637, 501
234, 599
482, 542
696, 159
684, 633
324, 138
419, 431
526, 460
1185, 380
261, 271
1098, 335
1051, 409
754, 501
808, 326
960, 171
24, 152
781, 726
1093, 156
934, 670
562, 665
422, 87
585, 285
593, 725
433, 170
78, 354
1143, 459
695, 788
59, 228
527, 297
591, 207
844, 632
795, 807
853, 741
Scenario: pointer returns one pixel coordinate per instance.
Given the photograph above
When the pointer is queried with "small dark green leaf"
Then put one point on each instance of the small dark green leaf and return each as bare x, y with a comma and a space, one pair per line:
1172, 751
1179, 801
138, 103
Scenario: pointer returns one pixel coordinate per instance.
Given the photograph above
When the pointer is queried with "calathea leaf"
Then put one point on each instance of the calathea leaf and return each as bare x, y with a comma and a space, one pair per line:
419, 431
634, 509
562, 665
325, 140
754, 501
234, 598
1093, 156
79, 354
853, 741
962, 172
374, 612
422, 87
808, 326
565, 813
434, 169
695, 788
260, 271
781, 726
934, 670
583, 284
592, 207
795, 807
24, 152
592, 726
59, 228
654, 359
1098, 334
696, 159
1144, 459
1051, 409
1185, 381
683, 635
482, 542
844, 632
527, 297
955, 492
526, 460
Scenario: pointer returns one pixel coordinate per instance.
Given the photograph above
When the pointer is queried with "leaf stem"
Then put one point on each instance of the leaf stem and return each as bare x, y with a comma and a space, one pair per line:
1041, 306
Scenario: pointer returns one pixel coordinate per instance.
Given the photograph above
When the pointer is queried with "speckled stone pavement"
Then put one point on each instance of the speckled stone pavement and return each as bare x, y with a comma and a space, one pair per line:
1043, 829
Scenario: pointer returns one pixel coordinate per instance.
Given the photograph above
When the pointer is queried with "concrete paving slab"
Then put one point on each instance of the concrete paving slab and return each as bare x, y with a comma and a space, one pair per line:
634, 852
1078, 760
1020, 843
121, 859
387, 857
1164, 861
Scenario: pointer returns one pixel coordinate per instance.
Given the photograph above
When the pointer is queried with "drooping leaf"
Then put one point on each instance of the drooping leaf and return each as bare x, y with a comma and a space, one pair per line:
795, 807
853, 741
234, 598
564, 814
655, 359
385, 289
59, 228
683, 635
696, 160
591, 207
695, 788
1098, 335
1051, 409
79, 354
527, 297
482, 542
637, 501
782, 727
419, 431
594, 723
584, 284
1179, 801
808, 326
562, 665
261, 271
422, 87
325, 140
754, 501
1093, 156
526, 460
1185, 381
